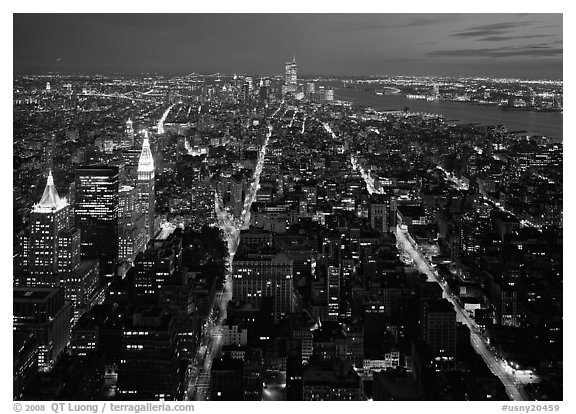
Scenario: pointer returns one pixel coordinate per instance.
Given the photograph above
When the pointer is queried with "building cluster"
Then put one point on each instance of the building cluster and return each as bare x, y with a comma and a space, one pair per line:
384, 256
70, 250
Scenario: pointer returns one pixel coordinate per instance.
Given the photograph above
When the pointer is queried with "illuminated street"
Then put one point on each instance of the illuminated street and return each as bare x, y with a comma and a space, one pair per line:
160, 126
499, 367
199, 369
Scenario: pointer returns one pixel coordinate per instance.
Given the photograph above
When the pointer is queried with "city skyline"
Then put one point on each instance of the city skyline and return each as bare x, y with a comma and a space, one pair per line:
495, 44
242, 236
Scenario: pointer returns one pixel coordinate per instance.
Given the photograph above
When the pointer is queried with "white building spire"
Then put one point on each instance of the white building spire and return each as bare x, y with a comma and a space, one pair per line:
50, 198
146, 162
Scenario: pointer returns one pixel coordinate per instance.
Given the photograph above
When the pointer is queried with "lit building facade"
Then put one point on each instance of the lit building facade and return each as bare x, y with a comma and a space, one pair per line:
131, 226
96, 208
291, 76
50, 221
51, 251
146, 191
128, 141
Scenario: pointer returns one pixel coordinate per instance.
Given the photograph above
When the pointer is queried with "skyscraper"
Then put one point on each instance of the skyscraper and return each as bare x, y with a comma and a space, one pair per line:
49, 219
146, 179
96, 207
51, 252
291, 76
128, 141
131, 228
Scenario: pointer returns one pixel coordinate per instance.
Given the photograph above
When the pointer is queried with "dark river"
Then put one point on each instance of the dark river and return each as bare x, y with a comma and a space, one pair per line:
535, 123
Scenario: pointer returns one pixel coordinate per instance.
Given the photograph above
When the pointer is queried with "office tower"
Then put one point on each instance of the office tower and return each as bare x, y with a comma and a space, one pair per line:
329, 95
44, 313
439, 328
128, 141
146, 190
96, 208
49, 220
131, 226
51, 250
291, 76
267, 276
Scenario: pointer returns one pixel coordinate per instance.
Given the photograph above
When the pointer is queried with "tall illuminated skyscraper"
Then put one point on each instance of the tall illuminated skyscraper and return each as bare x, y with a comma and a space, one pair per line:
146, 179
128, 141
51, 253
96, 208
49, 221
291, 77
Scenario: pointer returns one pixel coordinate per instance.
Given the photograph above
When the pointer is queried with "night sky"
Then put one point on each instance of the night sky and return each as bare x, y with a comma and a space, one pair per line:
507, 45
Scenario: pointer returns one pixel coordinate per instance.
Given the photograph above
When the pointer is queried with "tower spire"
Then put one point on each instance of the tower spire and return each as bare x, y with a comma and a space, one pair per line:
50, 198
146, 162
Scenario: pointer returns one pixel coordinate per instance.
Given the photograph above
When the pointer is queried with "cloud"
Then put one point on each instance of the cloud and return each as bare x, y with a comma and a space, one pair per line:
503, 38
535, 51
389, 21
489, 29
426, 21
